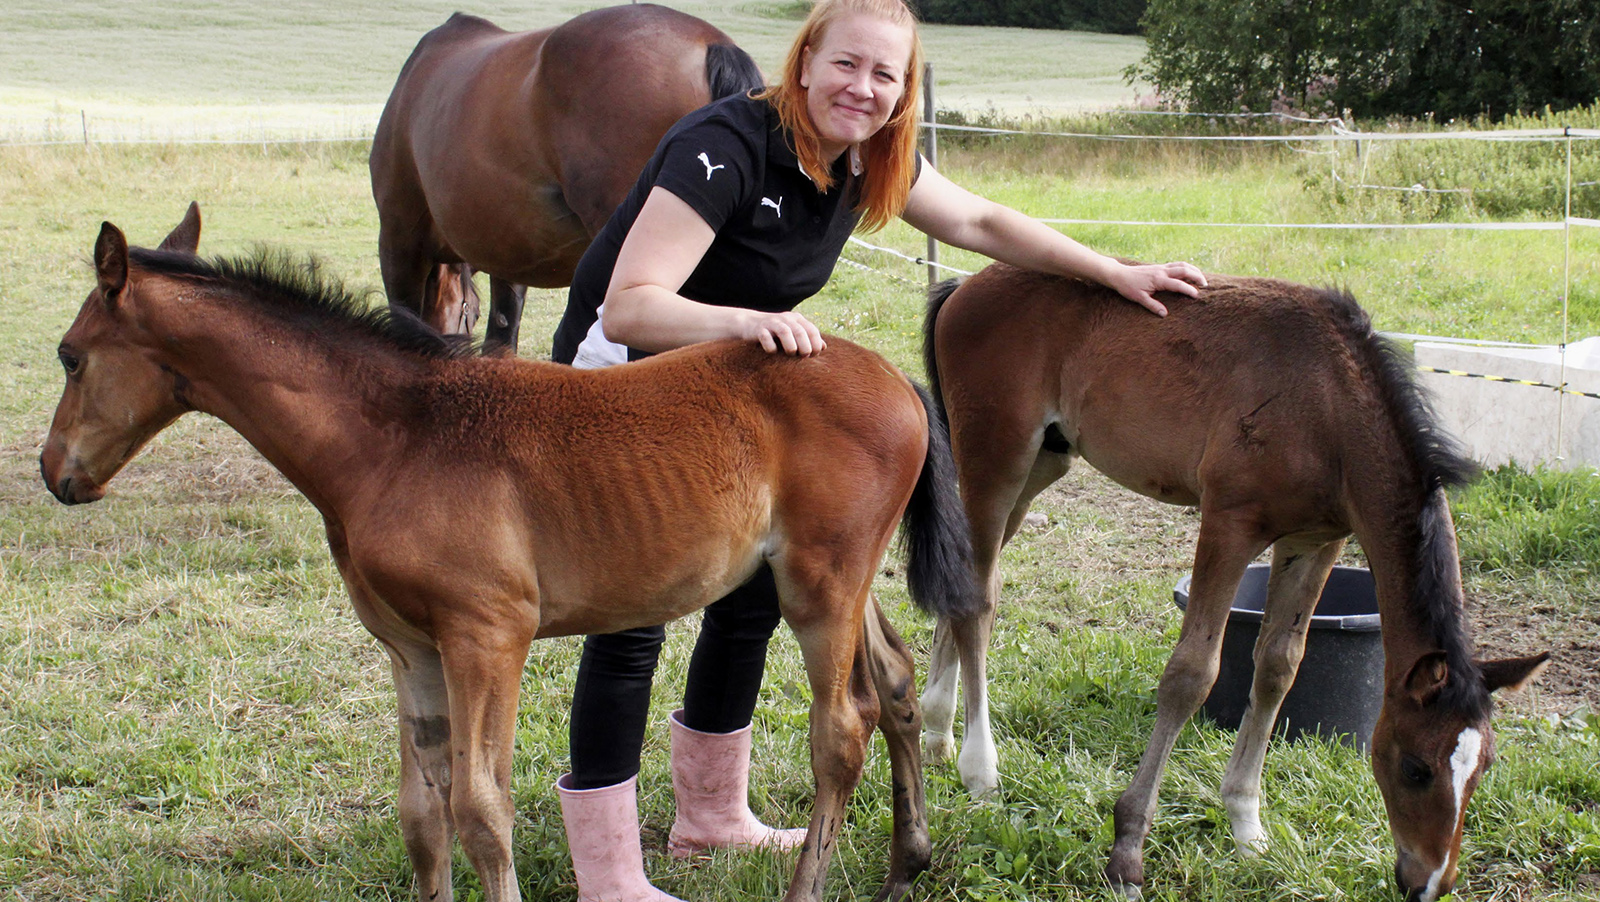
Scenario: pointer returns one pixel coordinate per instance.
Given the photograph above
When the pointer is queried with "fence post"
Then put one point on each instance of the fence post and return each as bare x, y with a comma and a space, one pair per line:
85, 116
931, 144
1566, 294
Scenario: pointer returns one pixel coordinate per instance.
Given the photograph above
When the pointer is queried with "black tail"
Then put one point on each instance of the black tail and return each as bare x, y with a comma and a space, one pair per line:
937, 535
730, 70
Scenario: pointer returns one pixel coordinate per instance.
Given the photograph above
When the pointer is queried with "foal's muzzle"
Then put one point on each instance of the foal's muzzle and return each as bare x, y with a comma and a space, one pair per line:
70, 490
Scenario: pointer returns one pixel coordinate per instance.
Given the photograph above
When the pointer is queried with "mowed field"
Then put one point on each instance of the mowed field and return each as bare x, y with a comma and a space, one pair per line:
168, 69
189, 709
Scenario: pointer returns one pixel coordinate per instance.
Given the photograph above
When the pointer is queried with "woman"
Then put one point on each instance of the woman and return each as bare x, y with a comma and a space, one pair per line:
741, 214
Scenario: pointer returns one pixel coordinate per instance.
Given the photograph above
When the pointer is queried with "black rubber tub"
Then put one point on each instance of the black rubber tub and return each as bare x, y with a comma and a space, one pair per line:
1339, 688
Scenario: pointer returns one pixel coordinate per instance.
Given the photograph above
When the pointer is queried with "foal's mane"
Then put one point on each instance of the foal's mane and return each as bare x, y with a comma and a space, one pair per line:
297, 290
1440, 463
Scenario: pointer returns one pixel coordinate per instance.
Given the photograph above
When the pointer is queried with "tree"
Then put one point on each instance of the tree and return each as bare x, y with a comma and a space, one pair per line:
1407, 57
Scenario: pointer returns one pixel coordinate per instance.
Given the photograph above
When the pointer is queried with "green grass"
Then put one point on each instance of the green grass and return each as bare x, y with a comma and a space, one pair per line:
1521, 520
189, 709
192, 711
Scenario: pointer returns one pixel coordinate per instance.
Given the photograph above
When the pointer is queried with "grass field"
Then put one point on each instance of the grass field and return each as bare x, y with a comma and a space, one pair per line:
300, 67
189, 709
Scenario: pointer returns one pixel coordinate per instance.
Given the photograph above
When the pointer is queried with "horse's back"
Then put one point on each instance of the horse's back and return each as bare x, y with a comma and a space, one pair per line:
698, 462
513, 148
440, 68
610, 83
1251, 369
453, 107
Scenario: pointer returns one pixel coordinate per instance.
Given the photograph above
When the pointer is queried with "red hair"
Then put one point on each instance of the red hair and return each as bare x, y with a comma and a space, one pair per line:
888, 157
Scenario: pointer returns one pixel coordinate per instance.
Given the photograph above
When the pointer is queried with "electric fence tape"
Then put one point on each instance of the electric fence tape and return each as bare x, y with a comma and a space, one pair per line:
1529, 382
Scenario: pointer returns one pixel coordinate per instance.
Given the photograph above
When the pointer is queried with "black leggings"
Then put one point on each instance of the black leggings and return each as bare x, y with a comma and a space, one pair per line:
611, 701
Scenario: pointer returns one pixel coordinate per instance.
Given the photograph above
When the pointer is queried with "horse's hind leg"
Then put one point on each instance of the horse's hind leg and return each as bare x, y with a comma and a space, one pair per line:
483, 672
1227, 545
893, 675
1298, 574
826, 619
996, 498
408, 268
424, 802
505, 317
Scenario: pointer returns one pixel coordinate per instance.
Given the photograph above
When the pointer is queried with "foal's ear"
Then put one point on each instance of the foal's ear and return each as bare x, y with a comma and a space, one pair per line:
1513, 673
185, 239
111, 261
1427, 677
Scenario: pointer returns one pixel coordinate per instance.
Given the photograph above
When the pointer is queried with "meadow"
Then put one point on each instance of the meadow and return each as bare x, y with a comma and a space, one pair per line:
189, 709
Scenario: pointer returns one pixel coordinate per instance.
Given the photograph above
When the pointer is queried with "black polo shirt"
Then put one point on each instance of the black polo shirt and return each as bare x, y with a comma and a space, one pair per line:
777, 236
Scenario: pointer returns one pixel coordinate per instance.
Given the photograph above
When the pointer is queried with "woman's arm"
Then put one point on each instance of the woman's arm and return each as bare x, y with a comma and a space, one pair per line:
956, 216
644, 310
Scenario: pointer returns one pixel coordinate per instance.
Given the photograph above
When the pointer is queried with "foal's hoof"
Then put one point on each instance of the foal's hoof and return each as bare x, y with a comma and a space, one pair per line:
1251, 848
1127, 882
893, 891
983, 787
937, 748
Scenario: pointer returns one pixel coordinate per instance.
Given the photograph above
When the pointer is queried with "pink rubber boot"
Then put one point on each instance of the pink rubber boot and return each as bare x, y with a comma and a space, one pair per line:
711, 779
603, 834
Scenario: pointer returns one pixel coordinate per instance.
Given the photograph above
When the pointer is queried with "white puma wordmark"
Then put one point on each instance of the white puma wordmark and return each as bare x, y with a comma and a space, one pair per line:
710, 168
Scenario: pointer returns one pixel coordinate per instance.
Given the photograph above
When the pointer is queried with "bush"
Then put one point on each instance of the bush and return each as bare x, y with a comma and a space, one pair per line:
1113, 16
1499, 180
1378, 57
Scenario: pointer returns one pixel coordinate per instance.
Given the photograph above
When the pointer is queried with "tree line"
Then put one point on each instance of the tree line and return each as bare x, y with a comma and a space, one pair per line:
1422, 58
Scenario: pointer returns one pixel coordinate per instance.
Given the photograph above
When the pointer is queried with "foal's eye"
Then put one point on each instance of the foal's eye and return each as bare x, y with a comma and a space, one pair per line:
68, 362
1415, 772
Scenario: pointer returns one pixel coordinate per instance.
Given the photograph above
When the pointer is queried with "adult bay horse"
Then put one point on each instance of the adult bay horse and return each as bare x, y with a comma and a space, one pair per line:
505, 152
473, 505
1279, 412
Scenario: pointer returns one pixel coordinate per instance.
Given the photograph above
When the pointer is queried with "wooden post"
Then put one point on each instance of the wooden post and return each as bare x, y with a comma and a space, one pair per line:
931, 143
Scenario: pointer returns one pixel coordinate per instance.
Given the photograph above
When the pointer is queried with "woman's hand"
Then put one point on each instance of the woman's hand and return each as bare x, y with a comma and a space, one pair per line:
1140, 283
790, 331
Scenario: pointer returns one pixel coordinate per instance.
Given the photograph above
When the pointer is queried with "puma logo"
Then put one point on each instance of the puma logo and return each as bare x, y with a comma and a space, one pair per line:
778, 206
710, 168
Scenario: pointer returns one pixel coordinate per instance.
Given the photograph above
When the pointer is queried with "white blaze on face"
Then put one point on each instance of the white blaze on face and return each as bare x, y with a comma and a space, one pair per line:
1463, 764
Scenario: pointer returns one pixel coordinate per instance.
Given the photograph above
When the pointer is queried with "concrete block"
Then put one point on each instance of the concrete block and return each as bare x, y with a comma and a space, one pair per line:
1501, 422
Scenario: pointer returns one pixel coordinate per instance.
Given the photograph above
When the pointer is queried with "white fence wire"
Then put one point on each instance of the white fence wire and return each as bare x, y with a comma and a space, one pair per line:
1337, 134
357, 126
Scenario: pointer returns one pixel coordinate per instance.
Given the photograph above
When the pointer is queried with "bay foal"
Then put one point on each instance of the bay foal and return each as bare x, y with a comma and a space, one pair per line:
1279, 412
473, 505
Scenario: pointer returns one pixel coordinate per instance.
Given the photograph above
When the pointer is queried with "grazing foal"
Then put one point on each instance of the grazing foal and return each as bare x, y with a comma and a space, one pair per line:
473, 505
1279, 412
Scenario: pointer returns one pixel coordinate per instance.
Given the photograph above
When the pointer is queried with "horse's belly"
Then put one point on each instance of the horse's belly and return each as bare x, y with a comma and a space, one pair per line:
1159, 479
513, 225
628, 594
650, 554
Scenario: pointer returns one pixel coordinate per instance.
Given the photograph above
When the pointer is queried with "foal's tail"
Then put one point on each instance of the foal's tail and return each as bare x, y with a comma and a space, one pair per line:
730, 71
937, 295
937, 535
